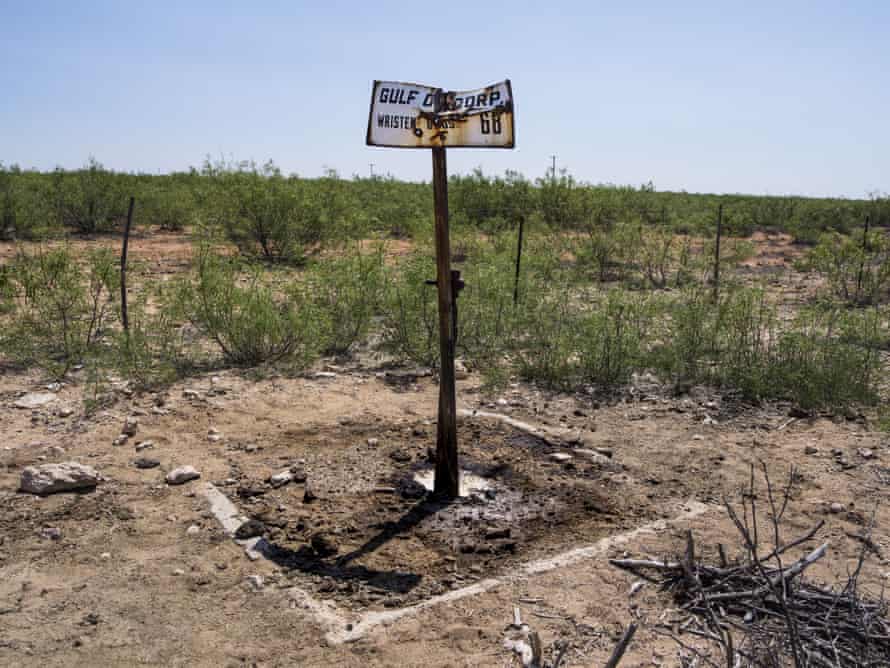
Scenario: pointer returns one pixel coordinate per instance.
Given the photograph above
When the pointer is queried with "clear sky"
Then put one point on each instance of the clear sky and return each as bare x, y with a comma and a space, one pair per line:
759, 97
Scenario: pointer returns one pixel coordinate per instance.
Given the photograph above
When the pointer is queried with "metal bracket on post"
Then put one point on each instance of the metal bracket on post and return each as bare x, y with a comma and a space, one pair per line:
457, 284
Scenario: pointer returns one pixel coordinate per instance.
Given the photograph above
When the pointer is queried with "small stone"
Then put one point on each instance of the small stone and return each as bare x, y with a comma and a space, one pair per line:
146, 463
190, 394
400, 456
182, 475
131, 426
810, 450
51, 533
34, 400
105, 556
298, 473
193, 530
497, 533
308, 495
373, 442
144, 445
214, 438
255, 582
836, 508
698, 437
62, 477
120, 440
866, 453
250, 529
66, 411
178, 572
560, 457
281, 479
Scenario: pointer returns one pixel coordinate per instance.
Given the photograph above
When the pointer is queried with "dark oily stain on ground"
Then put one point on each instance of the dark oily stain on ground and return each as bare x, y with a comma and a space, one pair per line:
373, 538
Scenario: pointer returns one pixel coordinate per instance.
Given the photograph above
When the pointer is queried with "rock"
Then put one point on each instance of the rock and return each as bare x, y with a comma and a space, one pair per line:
560, 457
308, 494
34, 400
591, 455
460, 370
250, 529
373, 442
400, 456
866, 453
496, 533
144, 445
131, 426
67, 411
281, 479
411, 489
298, 473
324, 545
810, 450
51, 533
105, 556
146, 463
182, 475
52, 478
836, 508
324, 375
193, 530
255, 582
178, 572
120, 440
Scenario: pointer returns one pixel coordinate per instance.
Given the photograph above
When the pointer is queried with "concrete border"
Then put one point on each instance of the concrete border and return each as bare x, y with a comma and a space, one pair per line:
344, 627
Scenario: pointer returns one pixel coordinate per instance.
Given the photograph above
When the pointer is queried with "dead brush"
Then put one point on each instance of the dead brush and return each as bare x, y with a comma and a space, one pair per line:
761, 611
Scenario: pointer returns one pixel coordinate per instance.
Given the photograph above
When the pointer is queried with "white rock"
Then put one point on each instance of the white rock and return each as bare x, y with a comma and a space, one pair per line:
120, 440
63, 477
560, 457
373, 442
144, 445
214, 438
51, 533
281, 479
193, 530
460, 370
105, 556
35, 400
67, 411
836, 508
255, 582
181, 475
178, 571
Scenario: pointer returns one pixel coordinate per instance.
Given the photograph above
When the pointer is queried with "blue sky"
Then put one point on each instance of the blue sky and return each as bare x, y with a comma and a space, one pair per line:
778, 97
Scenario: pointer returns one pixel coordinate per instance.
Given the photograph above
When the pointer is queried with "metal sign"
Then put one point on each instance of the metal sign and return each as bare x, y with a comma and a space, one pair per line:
406, 115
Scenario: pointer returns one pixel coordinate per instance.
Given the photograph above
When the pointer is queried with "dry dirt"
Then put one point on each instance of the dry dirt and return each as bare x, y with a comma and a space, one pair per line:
130, 582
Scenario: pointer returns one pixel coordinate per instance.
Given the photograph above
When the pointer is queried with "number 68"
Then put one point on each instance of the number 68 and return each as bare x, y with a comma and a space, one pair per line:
490, 122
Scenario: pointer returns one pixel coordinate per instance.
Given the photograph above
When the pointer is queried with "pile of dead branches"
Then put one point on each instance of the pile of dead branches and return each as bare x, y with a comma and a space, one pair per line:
760, 610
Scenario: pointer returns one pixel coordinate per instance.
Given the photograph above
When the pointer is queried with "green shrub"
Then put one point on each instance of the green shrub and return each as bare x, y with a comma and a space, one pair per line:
170, 207
61, 311
243, 316
613, 338
89, 200
547, 344
857, 267
263, 213
348, 290
410, 313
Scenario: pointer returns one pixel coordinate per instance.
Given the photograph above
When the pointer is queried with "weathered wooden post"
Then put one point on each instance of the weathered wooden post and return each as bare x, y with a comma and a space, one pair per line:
125, 321
405, 115
717, 252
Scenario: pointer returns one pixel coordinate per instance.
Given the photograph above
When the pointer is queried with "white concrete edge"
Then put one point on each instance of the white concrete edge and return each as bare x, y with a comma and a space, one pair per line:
341, 630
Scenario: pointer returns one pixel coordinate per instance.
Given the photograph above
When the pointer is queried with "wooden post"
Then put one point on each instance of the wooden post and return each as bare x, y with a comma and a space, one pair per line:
717, 253
518, 261
446, 483
124, 319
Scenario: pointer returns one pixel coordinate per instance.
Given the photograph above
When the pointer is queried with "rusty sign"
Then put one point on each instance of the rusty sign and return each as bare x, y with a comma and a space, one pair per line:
406, 115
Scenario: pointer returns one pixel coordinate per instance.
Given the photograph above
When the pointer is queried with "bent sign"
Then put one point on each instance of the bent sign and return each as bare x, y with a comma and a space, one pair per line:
405, 115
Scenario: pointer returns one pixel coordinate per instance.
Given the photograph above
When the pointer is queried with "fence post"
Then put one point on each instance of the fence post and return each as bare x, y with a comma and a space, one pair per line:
717, 253
124, 318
